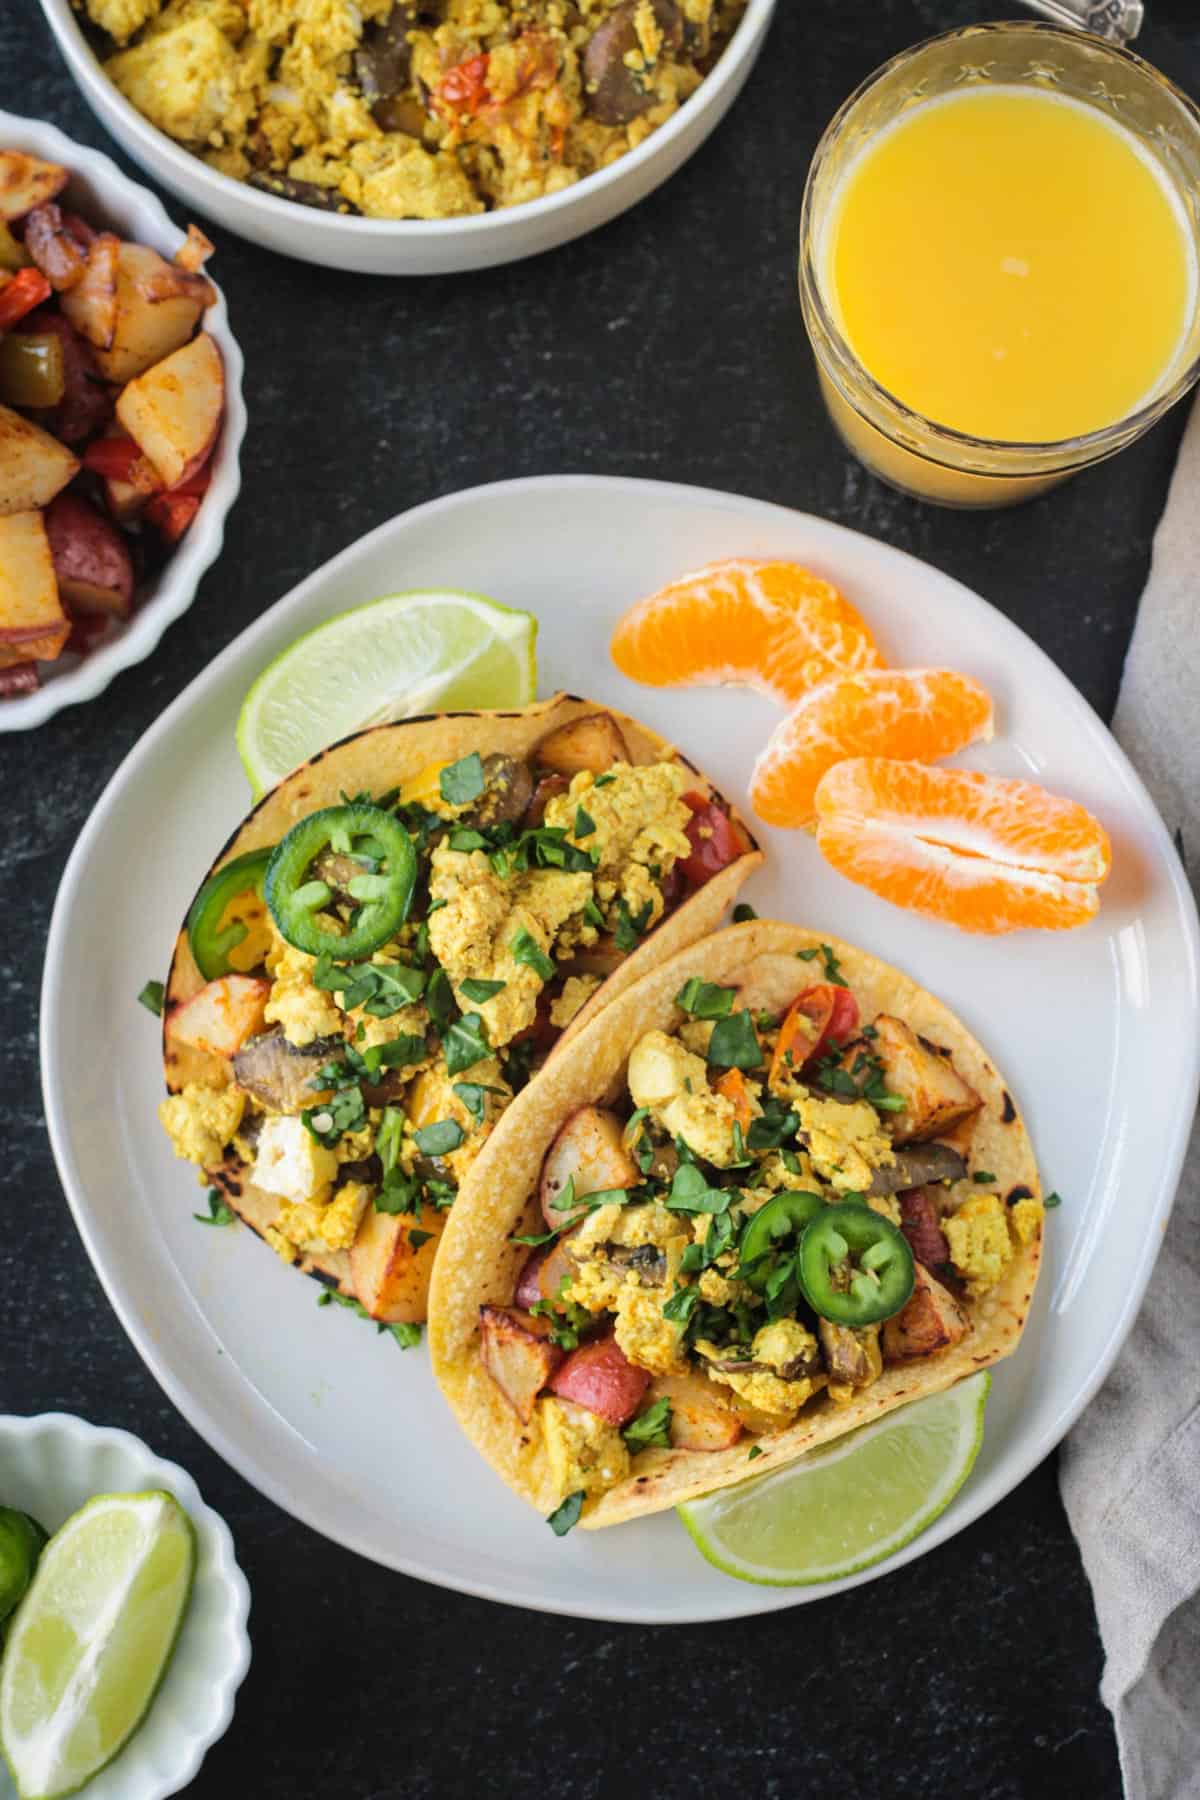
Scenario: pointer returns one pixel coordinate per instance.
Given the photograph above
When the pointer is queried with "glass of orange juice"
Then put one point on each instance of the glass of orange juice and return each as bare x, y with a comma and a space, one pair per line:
999, 259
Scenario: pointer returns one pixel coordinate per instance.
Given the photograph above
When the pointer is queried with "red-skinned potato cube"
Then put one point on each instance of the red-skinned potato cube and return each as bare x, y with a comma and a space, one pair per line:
600, 1377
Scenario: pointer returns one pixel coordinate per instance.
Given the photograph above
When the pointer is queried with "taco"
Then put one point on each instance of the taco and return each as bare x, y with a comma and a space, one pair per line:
776, 1192
397, 937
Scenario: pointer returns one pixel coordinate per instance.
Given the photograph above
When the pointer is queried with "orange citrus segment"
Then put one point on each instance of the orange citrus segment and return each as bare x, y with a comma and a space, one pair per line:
921, 713
772, 626
978, 851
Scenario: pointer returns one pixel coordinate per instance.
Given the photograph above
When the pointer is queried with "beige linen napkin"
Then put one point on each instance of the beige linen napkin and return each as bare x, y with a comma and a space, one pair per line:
1130, 1470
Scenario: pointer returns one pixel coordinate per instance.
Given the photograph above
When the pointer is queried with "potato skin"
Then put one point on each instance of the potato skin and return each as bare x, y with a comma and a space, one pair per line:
390, 1278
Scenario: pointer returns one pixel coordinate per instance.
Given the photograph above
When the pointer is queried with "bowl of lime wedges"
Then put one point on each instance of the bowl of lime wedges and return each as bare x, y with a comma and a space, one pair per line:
122, 1616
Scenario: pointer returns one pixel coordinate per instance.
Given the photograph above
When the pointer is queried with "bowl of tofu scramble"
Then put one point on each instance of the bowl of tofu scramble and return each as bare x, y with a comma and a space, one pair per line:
410, 137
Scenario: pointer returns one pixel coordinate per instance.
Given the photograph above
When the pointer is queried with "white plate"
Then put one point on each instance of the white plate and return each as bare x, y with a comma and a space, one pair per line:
101, 194
1095, 1029
415, 246
52, 1465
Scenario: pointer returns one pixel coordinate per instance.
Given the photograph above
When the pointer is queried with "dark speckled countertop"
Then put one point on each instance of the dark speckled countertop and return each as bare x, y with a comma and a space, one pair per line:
668, 344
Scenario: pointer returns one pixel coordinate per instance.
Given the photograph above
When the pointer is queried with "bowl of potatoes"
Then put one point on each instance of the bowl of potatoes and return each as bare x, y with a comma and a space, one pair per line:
121, 417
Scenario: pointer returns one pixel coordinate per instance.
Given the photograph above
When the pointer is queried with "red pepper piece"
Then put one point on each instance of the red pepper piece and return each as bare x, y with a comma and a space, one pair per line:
27, 289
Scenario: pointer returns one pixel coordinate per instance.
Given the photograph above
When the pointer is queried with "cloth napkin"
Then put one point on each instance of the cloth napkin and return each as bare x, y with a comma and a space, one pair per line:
1130, 1470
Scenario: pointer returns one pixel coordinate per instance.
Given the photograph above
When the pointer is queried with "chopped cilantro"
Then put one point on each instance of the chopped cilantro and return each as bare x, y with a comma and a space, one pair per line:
462, 781
381, 989
740, 1159
752, 1452
219, 1213
399, 1194
743, 912
733, 1044
417, 1238
603, 780
630, 926
477, 991
833, 971
473, 1096
465, 1043
466, 838
651, 1429
408, 1336
1051, 1201
527, 951
151, 997
584, 824
776, 1123
593, 915
328, 1123
405, 1335
682, 1304
690, 1193
439, 998
983, 1177
439, 1138
518, 1063
565, 1517
565, 1318
704, 999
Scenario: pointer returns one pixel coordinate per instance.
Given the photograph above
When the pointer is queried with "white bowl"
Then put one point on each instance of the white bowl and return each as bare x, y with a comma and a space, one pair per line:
51, 1465
414, 246
101, 194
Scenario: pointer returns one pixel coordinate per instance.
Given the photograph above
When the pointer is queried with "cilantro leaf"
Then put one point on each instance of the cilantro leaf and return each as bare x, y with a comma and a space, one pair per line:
399, 1194
465, 1043
651, 1429
752, 1452
774, 1126
477, 991
526, 950
584, 824
473, 1095
593, 915
734, 1044
690, 1193
743, 912
219, 1212
462, 781
983, 1177
630, 926
151, 997
704, 999
682, 1304
417, 1238
439, 998
466, 838
833, 969
408, 1336
565, 1517
1051, 1201
439, 1138
329, 1122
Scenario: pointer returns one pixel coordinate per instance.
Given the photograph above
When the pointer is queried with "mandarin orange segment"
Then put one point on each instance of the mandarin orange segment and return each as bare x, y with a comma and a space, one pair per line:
767, 625
921, 713
978, 851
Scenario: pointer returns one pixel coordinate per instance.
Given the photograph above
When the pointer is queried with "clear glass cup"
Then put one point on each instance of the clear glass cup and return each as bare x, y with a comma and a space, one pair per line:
911, 452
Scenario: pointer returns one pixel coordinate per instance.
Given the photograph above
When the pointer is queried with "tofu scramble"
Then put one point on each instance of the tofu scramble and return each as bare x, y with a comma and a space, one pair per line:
400, 109
781, 1207
347, 1084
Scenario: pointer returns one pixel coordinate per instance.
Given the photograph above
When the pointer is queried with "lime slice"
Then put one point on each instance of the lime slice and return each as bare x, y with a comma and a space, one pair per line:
395, 658
842, 1508
22, 1541
91, 1639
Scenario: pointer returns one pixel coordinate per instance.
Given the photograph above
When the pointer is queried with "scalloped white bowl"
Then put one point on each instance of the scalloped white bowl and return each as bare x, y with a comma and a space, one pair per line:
49, 1466
100, 193
415, 246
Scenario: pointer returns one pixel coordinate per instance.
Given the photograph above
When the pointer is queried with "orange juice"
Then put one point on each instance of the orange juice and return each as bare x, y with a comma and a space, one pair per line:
1010, 263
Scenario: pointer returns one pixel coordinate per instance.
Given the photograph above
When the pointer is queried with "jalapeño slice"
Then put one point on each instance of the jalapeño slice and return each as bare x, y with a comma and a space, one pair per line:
786, 1216
855, 1266
383, 891
211, 944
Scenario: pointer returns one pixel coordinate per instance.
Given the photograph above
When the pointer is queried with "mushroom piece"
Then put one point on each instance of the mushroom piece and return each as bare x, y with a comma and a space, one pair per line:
914, 1168
508, 789
280, 1073
616, 92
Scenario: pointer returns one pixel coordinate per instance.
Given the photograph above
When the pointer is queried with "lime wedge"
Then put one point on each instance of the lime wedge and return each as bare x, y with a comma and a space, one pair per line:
421, 652
89, 1642
842, 1508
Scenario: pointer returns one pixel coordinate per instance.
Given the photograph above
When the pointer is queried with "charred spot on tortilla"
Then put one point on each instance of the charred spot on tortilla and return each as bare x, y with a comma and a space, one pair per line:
1020, 1192
1009, 1111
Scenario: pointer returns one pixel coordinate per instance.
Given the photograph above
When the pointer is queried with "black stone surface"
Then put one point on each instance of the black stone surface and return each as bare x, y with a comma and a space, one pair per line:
669, 344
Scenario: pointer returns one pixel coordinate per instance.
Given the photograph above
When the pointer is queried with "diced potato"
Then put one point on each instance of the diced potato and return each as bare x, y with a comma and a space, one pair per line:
589, 1152
700, 1418
26, 182
33, 625
153, 319
935, 1095
91, 558
33, 465
932, 1320
593, 743
518, 1355
91, 305
390, 1274
52, 247
173, 411
224, 1013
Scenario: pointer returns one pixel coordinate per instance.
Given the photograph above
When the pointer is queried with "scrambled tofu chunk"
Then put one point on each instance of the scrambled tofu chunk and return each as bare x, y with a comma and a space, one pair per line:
200, 1121
1025, 1217
765, 1393
291, 1163
187, 81
600, 1281
305, 1012
395, 177
639, 825
432, 1097
672, 1084
577, 991
783, 1343
122, 18
584, 1451
980, 1244
846, 1141
473, 933
647, 1338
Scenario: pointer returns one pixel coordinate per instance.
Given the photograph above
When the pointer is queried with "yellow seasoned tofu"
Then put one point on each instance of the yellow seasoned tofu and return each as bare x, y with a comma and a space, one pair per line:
846, 1140
185, 81
305, 1012
122, 18
584, 1451
432, 1097
639, 823
577, 991
672, 1084
395, 177
1025, 1217
980, 1243
200, 1121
